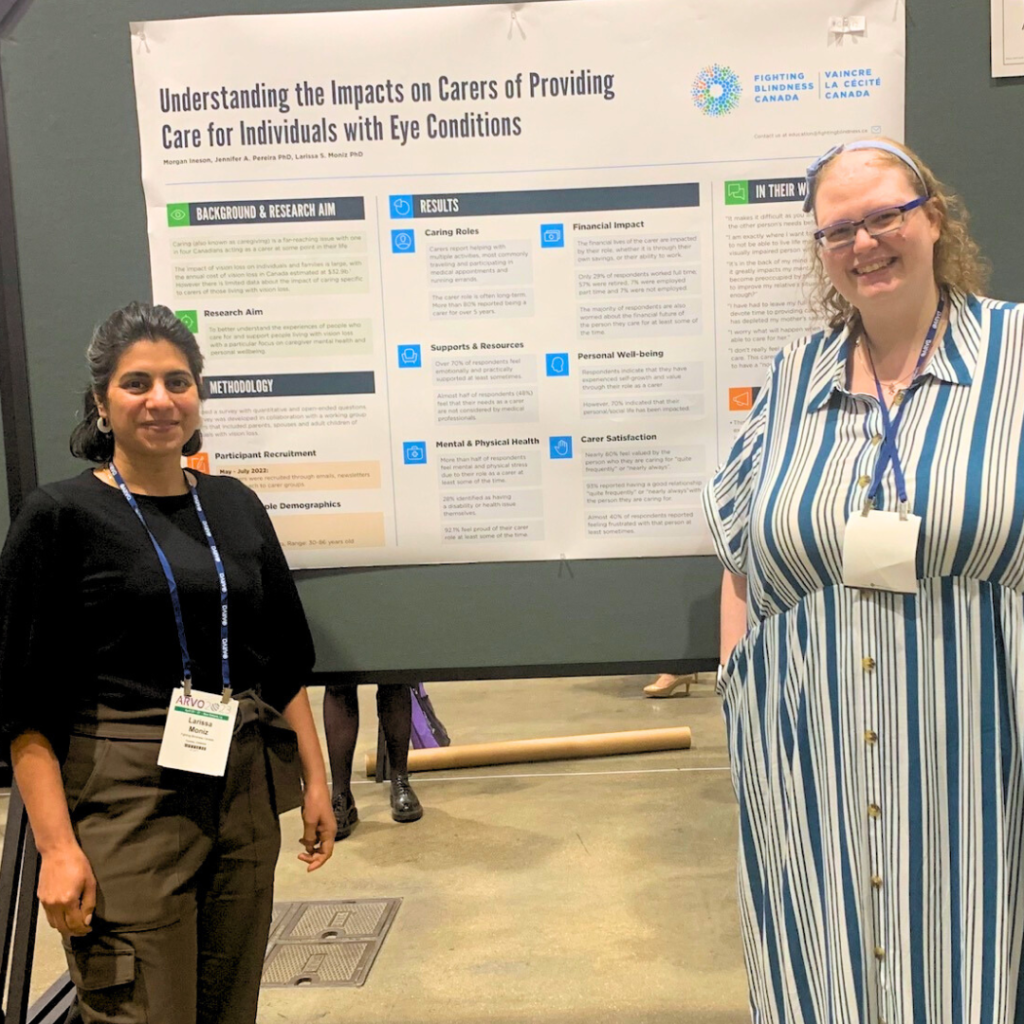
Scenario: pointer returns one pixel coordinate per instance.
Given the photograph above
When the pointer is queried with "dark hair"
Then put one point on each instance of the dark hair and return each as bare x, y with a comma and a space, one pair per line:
138, 321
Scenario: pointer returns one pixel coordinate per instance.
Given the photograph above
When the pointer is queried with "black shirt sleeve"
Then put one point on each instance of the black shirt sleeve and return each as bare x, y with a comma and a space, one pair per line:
289, 645
36, 664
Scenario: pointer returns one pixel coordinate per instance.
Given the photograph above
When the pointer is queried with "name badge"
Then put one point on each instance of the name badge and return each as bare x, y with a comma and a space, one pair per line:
880, 552
197, 737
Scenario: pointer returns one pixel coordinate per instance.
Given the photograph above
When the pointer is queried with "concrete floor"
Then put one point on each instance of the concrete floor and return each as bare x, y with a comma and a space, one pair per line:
578, 891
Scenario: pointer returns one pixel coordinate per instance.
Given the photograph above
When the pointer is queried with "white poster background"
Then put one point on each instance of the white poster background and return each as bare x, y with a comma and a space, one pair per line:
1007, 38
551, 356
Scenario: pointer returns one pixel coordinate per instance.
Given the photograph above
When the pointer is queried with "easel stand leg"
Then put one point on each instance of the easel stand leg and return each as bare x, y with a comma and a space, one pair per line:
19, 910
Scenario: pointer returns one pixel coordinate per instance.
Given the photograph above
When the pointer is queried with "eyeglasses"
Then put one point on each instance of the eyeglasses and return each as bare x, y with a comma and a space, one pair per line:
844, 232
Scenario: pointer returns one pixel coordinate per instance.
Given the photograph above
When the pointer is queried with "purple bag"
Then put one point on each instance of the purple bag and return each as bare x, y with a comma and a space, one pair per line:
427, 729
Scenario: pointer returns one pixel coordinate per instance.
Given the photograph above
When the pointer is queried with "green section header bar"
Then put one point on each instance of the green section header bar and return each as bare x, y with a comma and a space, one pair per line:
201, 714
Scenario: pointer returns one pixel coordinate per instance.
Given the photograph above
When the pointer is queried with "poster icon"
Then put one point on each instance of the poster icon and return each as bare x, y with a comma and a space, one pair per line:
178, 215
401, 207
552, 236
560, 447
403, 241
557, 364
716, 90
410, 355
414, 453
736, 193
742, 399
200, 461
189, 317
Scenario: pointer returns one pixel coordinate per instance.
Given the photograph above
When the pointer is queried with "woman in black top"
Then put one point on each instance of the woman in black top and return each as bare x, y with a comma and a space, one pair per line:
147, 870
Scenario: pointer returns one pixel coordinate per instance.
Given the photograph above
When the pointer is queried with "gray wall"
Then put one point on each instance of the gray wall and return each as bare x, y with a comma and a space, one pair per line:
969, 127
83, 252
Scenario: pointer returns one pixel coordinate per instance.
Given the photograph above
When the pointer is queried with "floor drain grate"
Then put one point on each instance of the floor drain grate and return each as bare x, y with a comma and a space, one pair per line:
326, 942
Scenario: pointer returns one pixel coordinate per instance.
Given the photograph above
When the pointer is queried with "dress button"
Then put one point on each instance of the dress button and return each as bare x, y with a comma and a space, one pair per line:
863, 481
876, 881
874, 811
877, 439
879, 953
870, 736
867, 664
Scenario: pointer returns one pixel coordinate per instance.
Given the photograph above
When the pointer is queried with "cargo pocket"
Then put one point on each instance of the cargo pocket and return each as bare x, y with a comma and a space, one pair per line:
103, 970
82, 770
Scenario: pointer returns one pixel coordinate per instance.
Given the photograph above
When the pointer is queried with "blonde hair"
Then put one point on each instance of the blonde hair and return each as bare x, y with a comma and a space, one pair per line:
958, 262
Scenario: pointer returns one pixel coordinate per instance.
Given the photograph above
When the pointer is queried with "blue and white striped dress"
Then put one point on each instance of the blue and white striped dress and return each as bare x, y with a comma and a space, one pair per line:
875, 738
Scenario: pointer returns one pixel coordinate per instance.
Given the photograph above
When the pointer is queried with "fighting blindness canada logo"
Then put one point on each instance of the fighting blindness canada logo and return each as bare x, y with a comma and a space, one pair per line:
716, 90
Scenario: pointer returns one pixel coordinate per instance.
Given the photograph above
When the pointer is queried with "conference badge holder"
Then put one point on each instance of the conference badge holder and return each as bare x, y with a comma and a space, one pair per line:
880, 550
197, 737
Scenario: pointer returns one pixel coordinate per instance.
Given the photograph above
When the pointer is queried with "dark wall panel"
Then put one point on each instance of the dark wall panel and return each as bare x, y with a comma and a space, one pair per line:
83, 252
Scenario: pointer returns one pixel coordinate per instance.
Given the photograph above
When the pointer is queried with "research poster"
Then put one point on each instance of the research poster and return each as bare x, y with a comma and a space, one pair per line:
493, 283
1007, 38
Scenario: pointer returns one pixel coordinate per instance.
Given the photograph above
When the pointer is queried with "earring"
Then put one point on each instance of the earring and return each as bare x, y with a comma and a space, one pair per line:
103, 425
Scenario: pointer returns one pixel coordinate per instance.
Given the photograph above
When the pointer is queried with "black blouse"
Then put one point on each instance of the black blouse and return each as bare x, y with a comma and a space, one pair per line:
86, 615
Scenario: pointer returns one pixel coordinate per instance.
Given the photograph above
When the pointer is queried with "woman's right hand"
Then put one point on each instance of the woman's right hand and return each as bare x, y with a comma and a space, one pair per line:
732, 614
67, 886
67, 889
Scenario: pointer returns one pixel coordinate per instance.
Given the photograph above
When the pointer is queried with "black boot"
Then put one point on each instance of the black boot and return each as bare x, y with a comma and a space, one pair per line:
345, 815
404, 804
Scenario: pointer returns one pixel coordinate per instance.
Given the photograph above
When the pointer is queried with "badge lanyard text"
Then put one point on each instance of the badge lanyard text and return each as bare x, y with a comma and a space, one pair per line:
172, 586
891, 425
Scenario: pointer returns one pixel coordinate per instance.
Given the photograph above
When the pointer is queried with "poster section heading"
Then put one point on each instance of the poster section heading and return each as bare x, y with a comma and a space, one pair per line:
265, 211
291, 385
555, 200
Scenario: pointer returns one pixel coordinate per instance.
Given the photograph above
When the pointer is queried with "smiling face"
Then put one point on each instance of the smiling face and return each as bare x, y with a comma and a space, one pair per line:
897, 267
152, 401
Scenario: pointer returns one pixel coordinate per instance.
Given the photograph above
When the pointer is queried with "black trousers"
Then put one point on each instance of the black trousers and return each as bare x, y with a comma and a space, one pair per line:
184, 866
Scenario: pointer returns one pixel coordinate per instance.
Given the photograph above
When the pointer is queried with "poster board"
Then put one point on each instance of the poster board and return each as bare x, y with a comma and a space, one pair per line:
501, 301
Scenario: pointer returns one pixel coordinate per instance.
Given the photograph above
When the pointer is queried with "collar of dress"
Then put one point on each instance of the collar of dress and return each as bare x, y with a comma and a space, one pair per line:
953, 362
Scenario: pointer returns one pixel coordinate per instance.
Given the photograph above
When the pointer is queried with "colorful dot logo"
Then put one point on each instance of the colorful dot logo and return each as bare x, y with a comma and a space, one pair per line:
716, 90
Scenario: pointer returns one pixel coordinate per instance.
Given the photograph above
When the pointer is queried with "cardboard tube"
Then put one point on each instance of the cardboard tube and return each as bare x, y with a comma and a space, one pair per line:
556, 748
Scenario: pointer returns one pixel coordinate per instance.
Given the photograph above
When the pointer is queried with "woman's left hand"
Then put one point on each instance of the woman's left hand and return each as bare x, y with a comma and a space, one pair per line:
318, 826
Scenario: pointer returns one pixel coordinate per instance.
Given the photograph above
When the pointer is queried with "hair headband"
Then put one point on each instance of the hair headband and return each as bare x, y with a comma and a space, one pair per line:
815, 168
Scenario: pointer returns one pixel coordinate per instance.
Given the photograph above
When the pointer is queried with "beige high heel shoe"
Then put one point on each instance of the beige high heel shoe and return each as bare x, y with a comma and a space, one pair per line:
665, 685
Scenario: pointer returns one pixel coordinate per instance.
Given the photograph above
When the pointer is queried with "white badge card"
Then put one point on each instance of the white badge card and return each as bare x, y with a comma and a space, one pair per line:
198, 733
880, 552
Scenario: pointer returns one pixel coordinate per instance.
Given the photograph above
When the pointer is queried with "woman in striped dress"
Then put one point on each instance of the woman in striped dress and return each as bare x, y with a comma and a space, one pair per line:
875, 724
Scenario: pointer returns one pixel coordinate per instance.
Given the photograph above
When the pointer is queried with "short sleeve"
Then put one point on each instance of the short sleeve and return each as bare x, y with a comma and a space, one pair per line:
36, 636
289, 645
730, 493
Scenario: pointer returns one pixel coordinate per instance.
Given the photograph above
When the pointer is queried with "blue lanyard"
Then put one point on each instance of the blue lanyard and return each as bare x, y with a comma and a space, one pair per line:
172, 586
888, 453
